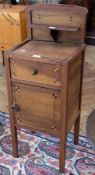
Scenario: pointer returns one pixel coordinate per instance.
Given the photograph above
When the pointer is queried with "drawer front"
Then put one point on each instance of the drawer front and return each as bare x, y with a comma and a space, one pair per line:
55, 18
38, 108
36, 72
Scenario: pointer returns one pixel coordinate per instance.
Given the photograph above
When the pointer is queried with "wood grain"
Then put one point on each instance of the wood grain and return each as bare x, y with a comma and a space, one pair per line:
43, 108
13, 28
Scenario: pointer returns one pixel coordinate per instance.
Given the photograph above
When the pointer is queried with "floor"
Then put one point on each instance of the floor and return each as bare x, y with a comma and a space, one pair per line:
88, 98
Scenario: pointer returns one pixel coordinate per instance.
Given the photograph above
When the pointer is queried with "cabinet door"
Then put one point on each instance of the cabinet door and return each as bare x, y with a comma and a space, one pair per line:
39, 108
9, 28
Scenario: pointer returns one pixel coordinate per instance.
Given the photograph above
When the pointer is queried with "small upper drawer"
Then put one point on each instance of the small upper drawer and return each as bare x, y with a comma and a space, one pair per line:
55, 18
35, 72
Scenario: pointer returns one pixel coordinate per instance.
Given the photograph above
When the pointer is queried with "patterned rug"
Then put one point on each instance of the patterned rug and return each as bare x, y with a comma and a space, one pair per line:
39, 153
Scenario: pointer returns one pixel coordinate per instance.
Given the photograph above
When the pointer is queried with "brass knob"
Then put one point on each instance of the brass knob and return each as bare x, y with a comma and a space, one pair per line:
34, 72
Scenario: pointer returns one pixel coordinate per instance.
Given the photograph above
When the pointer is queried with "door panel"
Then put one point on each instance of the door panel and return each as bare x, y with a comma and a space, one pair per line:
39, 107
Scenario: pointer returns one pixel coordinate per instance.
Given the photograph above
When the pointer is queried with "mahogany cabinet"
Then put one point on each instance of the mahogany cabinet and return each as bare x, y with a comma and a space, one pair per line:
44, 74
13, 28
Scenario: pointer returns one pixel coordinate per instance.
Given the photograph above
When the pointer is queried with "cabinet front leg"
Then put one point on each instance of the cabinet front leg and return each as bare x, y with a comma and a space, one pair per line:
76, 130
64, 115
14, 141
62, 153
10, 101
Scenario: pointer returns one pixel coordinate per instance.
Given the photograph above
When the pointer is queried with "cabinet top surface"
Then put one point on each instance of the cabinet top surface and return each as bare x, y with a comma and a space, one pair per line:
46, 51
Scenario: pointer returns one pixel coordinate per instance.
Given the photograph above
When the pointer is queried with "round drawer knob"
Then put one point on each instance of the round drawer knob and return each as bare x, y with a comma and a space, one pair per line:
34, 72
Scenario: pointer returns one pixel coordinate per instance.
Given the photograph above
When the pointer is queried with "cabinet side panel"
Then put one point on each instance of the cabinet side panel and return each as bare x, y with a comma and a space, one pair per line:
74, 86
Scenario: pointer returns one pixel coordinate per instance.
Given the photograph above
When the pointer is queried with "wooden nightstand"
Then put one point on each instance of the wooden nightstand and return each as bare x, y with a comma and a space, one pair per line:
44, 77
